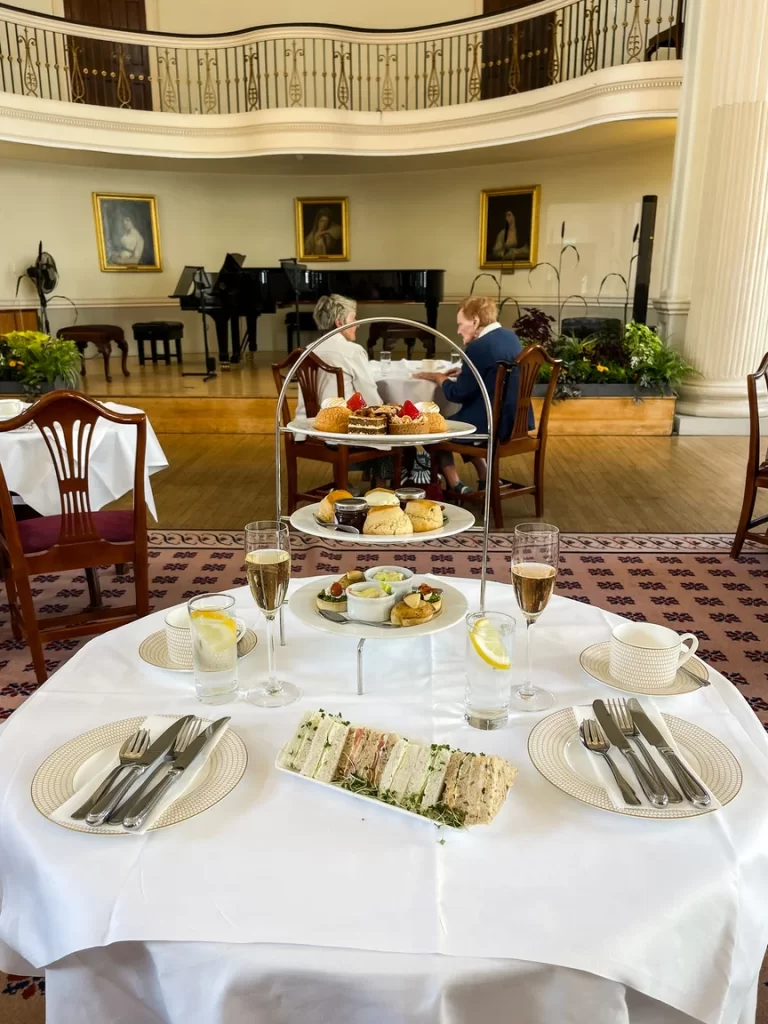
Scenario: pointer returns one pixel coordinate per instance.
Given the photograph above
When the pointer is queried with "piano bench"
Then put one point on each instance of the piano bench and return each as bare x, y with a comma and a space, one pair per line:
306, 323
392, 333
101, 337
159, 330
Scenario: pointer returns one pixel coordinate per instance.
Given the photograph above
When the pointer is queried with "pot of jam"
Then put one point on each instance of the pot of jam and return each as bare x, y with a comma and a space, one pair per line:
406, 494
351, 512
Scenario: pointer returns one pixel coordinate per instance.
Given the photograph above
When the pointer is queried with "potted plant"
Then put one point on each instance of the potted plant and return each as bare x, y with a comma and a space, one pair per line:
32, 363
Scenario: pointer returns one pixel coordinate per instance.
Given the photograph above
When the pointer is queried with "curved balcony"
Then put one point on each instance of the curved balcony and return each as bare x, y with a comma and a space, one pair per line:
543, 69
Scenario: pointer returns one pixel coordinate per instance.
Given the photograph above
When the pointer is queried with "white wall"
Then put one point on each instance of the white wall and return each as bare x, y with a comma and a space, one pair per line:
201, 16
426, 219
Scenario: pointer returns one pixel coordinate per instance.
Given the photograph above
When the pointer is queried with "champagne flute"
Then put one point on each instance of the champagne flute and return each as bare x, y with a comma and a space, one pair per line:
535, 554
268, 568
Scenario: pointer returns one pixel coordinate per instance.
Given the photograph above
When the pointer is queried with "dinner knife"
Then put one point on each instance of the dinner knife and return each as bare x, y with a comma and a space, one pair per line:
107, 803
138, 812
692, 789
647, 782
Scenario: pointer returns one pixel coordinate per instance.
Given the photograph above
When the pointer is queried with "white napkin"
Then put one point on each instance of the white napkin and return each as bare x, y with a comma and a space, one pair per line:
602, 772
103, 763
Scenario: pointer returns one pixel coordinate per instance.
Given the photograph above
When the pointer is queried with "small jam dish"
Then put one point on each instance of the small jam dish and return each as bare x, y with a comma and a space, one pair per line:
375, 607
399, 587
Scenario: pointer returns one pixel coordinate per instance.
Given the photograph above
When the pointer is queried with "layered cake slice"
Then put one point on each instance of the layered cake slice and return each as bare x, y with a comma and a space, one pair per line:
367, 421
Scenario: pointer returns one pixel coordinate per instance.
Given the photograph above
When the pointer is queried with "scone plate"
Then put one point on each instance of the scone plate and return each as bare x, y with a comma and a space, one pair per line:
458, 520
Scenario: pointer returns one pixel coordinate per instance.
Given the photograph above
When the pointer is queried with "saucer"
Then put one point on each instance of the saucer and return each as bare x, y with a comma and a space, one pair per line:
154, 650
595, 661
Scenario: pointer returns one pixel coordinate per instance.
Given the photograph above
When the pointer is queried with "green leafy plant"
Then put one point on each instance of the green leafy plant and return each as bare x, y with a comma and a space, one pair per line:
35, 359
641, 359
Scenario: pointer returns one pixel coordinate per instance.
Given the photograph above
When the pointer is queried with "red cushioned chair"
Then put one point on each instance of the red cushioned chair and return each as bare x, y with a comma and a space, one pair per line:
77, 538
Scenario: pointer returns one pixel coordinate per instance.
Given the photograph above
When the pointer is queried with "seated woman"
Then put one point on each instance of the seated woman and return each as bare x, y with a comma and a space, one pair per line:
342, 351
487, 343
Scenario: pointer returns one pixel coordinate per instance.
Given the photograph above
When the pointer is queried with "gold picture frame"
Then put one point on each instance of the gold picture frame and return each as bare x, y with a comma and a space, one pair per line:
318, 239
127, 232
496, 205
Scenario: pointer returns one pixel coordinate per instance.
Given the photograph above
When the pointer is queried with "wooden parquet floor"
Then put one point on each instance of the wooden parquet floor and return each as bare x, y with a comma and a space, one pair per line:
621, 484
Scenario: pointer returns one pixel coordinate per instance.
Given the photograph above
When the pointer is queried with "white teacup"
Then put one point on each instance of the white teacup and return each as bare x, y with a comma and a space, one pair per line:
10, 407
428, 365
178, 635
641, 652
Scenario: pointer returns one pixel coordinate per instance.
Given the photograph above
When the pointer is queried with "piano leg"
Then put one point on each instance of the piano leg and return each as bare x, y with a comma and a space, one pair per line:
222, 338
252, 325
234, 324
431, 308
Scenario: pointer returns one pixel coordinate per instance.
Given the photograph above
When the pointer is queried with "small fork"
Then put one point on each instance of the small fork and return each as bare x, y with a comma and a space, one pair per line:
594, 739
133, 748
623, 718
186, 734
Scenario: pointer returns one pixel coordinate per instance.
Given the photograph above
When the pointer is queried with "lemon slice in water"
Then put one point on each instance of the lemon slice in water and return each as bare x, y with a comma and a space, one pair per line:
487, 641
217, 632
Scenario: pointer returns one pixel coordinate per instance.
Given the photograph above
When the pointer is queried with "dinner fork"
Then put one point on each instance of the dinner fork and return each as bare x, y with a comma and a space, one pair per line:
182, 741
623, 718
594, 739
132, 749
338, 618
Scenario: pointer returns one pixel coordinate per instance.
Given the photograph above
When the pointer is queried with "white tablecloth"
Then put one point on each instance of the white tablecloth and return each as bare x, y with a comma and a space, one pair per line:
324, 909
29, 470
398, 385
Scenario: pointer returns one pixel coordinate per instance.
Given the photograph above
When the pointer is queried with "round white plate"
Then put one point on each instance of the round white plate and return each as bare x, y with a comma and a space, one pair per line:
557, 752
302, 604
455, 429
459, 520
61, 774
154, 650
595, 661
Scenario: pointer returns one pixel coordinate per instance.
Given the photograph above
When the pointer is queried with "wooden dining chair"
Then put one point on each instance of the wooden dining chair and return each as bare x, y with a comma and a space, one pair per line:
77, 538
341, 456
757, 470
520, 439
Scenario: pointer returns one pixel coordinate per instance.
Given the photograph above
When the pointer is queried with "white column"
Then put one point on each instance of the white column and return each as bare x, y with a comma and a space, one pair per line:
716, 255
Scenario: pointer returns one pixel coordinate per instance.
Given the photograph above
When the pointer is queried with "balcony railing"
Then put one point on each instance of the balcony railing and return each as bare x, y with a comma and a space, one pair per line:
316, 66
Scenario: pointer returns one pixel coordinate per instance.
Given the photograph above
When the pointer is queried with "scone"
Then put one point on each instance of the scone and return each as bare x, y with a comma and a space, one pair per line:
325, 512
381, 496
334, 420
424, 515
387, 521
405, 425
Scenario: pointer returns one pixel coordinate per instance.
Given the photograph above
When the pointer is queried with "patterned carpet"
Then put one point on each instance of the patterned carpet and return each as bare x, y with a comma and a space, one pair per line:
686, 582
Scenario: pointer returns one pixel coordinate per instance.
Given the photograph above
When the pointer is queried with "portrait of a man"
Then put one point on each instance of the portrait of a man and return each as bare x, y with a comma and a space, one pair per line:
322, 229
127, 232
509, 227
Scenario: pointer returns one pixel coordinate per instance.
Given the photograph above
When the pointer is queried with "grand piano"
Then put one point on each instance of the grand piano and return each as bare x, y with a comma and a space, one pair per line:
237, 292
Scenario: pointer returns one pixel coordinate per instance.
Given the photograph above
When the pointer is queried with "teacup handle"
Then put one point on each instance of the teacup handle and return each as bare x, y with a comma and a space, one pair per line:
687, 652
242, 628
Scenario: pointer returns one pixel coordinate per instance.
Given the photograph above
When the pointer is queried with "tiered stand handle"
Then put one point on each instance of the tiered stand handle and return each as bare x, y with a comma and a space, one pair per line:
360, 440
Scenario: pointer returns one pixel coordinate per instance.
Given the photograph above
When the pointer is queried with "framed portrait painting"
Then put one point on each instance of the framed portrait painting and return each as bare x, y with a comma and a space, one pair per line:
509, 227
127, 232
322, 229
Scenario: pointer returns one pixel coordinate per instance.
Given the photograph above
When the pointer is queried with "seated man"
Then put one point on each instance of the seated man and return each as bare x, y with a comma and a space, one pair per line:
487, 343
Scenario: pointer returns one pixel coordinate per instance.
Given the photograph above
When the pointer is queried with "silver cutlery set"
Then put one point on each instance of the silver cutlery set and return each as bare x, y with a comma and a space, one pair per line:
624, 725
159, 765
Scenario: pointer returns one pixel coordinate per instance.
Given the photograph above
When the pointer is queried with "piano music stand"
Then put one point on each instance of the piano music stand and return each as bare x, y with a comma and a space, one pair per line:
202, 282
293, 271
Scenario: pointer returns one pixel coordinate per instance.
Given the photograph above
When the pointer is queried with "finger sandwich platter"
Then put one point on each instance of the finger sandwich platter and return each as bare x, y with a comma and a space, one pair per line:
381, 518
425, 780
384, 602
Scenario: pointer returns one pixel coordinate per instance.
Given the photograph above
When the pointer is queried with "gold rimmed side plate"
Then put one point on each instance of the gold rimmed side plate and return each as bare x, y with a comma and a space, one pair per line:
556, 751
154, 650
54, 780
595, 660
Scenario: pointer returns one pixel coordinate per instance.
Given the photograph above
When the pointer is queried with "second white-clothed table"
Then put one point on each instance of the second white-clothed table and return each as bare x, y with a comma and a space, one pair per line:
399, 385
289, 903
29, 471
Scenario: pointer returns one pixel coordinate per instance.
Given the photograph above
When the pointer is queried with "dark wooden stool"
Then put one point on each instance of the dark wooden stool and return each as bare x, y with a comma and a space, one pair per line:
102, 336
159, 330
392, 333
757, 465
306, 323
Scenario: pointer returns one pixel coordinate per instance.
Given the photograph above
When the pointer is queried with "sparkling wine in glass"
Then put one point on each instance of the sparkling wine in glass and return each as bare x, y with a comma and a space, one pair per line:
535, 555
268, 569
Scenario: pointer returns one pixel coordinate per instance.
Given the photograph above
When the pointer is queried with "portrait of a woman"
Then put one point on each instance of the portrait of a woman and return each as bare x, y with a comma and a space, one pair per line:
127, 232
322, 231
509, 227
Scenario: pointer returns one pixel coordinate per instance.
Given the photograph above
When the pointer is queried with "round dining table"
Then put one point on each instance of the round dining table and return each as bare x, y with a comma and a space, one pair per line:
398, 384
290, 903
29, 470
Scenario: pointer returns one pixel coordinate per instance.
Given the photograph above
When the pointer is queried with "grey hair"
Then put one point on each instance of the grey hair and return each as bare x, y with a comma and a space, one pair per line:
331, 308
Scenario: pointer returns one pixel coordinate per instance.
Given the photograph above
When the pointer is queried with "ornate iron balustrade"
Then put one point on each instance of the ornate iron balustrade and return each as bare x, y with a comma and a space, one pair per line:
330, 67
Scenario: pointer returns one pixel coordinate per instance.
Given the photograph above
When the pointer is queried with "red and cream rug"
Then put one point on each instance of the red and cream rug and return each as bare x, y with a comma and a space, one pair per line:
686, 582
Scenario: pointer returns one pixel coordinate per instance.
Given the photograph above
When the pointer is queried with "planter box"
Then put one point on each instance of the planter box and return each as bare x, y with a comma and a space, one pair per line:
13, 388
613, 416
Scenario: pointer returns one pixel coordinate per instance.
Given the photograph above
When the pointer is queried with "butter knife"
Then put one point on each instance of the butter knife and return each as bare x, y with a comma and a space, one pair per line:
649, 785
138, 812
692, 789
